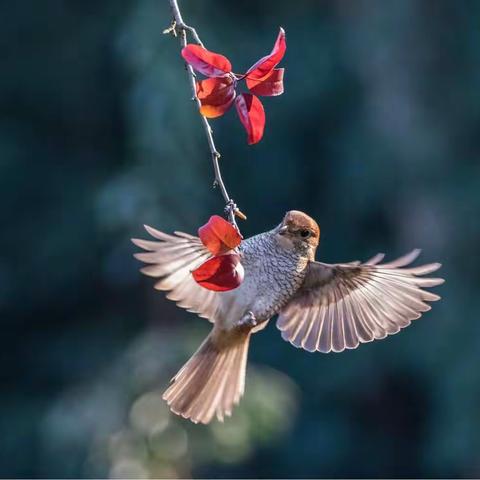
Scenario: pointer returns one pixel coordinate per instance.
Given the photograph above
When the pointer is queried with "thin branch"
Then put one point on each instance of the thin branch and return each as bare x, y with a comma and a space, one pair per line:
179, 27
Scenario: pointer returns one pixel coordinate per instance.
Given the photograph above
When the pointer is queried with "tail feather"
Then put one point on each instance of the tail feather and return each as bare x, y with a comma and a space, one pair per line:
213, 380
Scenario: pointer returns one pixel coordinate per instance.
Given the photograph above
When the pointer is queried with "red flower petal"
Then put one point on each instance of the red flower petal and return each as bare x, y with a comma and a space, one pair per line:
220, 274
266, 64
209, 63
219, 236
269, 86
252, 115
216, 95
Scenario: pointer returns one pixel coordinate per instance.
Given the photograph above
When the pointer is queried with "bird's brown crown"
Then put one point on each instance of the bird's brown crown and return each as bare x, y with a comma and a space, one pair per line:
299, 221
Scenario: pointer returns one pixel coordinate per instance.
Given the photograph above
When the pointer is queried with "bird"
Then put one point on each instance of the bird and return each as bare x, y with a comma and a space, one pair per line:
321, 307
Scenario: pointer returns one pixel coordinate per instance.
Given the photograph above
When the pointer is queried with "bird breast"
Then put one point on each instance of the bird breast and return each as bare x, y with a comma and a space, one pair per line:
272, 275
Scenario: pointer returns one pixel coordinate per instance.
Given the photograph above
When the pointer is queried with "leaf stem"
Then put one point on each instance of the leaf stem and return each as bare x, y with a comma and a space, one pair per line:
178, 27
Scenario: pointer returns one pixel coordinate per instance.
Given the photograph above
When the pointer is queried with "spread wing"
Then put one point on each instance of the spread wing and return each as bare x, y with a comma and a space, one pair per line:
171, 259
342, 305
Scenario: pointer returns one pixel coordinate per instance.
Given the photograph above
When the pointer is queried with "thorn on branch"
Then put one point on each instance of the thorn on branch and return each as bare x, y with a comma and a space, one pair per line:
171, 29
240, 214
192, 32
232, 211
177, 27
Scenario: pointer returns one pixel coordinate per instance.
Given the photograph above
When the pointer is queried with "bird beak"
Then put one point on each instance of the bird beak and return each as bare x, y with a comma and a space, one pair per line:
283, 230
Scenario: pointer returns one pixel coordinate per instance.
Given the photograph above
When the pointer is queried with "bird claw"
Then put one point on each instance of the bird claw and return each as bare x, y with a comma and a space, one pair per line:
248, 320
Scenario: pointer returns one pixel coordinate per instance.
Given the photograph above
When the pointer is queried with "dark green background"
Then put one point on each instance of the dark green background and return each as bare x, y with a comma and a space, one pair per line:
377, 136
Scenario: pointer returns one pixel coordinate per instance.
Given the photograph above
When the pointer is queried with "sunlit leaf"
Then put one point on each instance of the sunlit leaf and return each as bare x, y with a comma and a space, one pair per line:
219, 236
221, 273
266, 64
208, 63
271, 85
216, 95
252, 115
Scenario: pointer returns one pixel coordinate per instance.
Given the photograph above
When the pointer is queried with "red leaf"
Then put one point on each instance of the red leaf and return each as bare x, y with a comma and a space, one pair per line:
216, 95
252, 115
266, 64
220, 274
209, 63
269, 86
219, 236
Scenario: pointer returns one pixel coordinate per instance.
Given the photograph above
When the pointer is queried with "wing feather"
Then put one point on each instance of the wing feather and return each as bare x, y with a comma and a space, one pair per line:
171, 258
341, 306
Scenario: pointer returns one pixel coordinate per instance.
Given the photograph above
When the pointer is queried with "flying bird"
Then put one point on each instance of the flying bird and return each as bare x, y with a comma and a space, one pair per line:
321, 307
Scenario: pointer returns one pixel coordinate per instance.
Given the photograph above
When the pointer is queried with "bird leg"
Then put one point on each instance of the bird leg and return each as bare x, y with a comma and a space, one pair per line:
248, 320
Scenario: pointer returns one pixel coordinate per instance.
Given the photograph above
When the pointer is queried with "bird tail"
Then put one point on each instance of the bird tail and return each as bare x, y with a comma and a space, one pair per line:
213, 380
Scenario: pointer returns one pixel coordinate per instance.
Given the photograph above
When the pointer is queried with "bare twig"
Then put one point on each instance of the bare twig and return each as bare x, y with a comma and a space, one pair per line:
178, 27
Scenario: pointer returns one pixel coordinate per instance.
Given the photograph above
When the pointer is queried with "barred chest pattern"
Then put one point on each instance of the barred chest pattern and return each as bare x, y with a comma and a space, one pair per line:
272, 274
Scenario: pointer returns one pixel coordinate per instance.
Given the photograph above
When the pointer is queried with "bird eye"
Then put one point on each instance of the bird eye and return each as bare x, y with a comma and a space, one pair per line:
305, 233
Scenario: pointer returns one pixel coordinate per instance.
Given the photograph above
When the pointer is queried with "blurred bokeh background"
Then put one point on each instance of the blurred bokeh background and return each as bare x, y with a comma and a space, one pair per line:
377, 136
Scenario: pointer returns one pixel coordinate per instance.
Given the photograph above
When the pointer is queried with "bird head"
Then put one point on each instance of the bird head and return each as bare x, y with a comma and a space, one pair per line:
299, 231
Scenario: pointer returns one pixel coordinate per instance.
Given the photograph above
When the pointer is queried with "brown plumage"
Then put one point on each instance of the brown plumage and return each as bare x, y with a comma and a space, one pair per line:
322, 307
213, 380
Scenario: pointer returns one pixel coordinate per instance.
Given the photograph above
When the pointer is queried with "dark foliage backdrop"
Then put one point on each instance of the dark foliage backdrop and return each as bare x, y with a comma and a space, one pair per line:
377, 136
